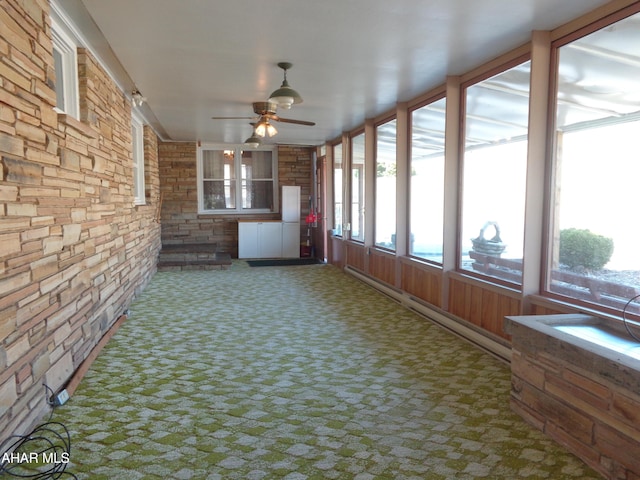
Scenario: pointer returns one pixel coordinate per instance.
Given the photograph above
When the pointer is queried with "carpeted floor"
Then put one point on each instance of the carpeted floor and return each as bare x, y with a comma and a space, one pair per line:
295, 373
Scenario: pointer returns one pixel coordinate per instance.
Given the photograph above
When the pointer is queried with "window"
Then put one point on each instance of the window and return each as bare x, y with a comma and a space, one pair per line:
385, 226
494, 175
137, 146
234, 180
426, 201
357, 187
65, 63
337, 189
594, 242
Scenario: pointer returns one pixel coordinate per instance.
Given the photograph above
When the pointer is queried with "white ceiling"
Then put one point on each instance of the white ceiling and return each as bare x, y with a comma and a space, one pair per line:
352, 59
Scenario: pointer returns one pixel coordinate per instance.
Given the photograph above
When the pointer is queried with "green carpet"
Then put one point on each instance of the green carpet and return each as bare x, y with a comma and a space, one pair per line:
295, 373
283, 262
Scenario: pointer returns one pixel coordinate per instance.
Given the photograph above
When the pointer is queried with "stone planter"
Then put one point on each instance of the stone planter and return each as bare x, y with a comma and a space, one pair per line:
492, 246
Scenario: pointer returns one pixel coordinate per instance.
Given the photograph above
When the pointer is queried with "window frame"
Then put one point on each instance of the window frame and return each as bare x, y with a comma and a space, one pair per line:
551, 227
498, 70
67, 48
238, 149
338, 224
137, 148
393, 248
362, 191
435, 99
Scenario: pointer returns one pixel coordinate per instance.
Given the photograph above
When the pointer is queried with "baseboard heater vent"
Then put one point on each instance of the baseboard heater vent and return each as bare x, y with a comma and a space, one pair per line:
485, 342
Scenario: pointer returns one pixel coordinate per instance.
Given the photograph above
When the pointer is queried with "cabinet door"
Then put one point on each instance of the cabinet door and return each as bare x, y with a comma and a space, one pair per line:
247, 240
270, 239
290, 240
290, 204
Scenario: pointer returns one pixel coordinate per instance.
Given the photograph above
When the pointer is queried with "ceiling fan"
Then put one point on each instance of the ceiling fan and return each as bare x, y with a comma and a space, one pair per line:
285, 96
266, 112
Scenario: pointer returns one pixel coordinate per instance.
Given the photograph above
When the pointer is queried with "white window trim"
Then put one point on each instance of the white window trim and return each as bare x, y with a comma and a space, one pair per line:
137, 146
238, 210
67, 47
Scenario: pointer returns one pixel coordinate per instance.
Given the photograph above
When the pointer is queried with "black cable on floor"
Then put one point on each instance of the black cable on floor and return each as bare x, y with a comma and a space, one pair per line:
42, 454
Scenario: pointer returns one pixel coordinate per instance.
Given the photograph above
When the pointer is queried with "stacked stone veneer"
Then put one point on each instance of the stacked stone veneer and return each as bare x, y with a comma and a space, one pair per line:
585, 402
74, 249
181, 223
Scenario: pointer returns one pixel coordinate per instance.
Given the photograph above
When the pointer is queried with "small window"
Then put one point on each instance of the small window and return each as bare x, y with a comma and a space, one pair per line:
65, 63
234, 180
137, 146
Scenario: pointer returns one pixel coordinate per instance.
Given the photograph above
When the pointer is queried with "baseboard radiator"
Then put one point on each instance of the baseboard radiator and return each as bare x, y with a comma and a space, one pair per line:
479, 339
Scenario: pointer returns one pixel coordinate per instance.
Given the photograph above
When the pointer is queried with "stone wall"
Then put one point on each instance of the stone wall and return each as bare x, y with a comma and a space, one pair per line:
181, 223
74, 249
586, 402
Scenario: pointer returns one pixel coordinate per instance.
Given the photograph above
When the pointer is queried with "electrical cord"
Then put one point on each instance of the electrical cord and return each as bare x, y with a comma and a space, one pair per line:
625, 321
47, 445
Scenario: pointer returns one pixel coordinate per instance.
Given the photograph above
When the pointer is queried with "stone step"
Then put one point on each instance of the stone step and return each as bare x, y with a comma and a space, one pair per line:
202, 256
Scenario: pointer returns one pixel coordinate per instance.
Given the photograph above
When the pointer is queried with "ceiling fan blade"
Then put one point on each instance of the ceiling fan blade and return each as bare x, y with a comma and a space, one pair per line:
233, 118
290, 120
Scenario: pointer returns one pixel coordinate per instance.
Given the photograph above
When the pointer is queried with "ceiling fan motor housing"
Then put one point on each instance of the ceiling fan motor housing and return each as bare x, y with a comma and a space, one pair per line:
265, 108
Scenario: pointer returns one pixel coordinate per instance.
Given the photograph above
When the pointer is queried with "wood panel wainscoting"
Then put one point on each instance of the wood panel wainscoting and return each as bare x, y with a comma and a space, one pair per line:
382, 266
335, 252
484, 305
480, 304
422, 281
355, 256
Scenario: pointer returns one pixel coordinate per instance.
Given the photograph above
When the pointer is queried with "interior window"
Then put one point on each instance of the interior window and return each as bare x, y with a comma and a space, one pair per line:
427, 181
385, 226
594, 242
494, 175
232, 179
257, 180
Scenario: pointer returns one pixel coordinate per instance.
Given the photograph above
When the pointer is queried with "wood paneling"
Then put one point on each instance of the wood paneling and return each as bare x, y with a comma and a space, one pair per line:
335, 251
355, 256
382, 266
484, 306
422, 282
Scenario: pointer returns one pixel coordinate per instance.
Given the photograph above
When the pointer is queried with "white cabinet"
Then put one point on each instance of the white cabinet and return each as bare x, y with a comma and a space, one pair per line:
290, 222
270, 239
291, 204
260, 239
247, 240
290, 240
275, 239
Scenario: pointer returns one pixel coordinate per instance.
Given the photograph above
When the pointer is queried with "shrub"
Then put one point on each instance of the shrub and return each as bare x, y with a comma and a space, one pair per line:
583, 248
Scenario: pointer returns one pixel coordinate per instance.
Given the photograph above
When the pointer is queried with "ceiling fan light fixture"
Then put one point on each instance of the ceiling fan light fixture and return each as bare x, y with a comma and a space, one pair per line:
271, 130
265, 128
285, 96
253, 141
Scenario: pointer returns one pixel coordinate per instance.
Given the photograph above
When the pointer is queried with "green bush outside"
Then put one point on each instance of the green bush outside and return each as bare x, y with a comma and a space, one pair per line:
583, 248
